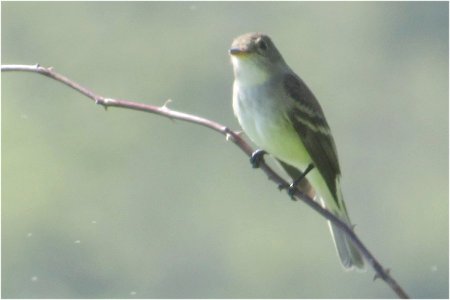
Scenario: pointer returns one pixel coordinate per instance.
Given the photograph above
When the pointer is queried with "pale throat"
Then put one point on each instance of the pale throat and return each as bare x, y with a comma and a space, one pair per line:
247, 73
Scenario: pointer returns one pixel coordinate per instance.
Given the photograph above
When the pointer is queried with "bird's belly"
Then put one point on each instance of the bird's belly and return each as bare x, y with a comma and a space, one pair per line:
283, 142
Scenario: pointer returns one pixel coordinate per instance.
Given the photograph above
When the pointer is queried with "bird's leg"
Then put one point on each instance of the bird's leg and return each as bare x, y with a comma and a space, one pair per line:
293, 186
257, 157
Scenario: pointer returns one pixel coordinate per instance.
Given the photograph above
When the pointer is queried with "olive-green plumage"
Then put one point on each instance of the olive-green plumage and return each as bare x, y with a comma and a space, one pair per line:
281, 115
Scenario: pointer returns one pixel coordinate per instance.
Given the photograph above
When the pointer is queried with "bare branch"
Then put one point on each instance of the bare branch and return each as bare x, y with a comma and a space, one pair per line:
231, 135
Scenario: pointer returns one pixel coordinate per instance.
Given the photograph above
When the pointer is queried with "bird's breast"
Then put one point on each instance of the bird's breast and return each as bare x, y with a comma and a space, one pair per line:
262, 113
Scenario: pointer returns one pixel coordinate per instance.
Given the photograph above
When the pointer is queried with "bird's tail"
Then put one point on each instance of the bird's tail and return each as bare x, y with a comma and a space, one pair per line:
350, 256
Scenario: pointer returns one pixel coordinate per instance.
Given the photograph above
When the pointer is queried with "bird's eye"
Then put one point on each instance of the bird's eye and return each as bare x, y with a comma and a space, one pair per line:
262, 45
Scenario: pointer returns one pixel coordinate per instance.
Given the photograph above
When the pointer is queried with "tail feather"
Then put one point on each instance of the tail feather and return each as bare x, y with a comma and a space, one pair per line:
350, 256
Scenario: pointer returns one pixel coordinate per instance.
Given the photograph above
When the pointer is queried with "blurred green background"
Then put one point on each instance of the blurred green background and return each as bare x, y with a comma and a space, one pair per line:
124, 204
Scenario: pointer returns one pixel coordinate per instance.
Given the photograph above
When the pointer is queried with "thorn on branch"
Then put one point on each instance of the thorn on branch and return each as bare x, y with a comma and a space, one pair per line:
377, 275
102, 101
228, 134
164, 107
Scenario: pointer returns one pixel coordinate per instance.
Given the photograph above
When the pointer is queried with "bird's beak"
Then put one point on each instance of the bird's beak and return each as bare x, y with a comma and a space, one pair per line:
238, 51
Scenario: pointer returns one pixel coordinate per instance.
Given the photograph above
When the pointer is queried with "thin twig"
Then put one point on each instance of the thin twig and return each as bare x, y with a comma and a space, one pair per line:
235, 137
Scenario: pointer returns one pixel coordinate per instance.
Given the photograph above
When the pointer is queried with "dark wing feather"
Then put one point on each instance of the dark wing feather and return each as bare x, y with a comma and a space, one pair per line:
309, 121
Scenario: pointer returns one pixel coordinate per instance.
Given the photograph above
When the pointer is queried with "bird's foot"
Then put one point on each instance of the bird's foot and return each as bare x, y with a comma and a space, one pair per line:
257, 157
292, 189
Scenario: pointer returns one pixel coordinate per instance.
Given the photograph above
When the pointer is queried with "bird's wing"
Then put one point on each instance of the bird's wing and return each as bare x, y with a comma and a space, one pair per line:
308, 119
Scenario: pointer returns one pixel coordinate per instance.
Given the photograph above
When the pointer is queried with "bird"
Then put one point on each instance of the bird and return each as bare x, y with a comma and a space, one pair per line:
280, 114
